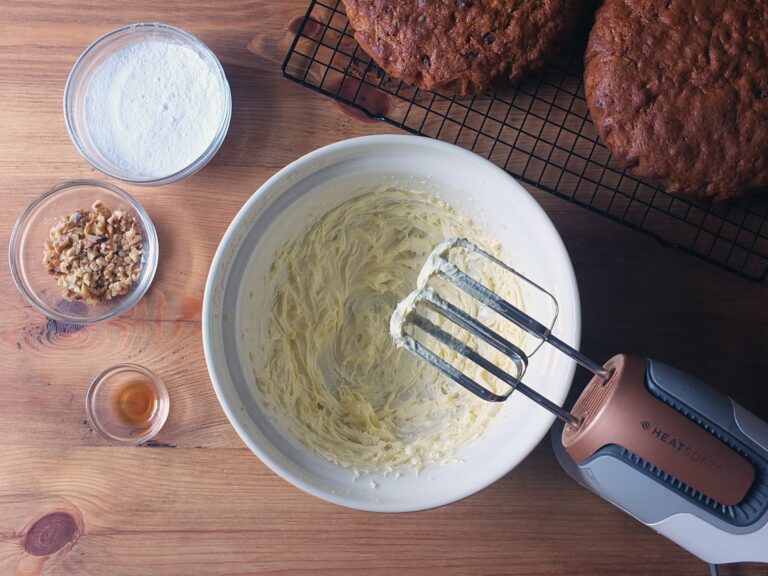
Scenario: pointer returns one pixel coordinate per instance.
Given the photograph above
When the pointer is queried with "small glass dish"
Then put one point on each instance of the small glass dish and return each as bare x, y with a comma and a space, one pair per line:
93, 58
127, 404
32, 229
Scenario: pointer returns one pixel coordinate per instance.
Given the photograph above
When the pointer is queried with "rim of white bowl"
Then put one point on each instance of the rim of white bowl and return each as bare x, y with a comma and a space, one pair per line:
221, 253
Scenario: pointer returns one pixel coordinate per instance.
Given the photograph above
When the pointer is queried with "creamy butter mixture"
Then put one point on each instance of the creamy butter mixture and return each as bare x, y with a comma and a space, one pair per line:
327, 365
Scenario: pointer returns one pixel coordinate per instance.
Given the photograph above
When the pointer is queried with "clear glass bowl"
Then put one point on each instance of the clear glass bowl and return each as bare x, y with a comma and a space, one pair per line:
92, 59
133, 385
32, 229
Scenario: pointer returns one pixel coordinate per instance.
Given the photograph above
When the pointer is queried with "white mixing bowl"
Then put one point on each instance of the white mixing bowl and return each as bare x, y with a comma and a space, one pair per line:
297, 196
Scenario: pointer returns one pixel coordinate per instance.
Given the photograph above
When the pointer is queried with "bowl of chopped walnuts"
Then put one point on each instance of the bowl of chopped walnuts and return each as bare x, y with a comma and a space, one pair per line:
83, 252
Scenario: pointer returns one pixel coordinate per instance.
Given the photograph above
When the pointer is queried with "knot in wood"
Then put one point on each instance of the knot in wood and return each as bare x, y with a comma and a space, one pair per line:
50, 534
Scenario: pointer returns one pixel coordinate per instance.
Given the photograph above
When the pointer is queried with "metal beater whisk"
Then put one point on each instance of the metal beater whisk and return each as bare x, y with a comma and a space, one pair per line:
406, 313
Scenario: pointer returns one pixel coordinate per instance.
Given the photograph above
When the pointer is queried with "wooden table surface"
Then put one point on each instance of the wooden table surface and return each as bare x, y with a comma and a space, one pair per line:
198, 501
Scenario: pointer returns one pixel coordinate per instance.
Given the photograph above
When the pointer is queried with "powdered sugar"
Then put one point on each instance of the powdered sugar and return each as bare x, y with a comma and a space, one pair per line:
153, 108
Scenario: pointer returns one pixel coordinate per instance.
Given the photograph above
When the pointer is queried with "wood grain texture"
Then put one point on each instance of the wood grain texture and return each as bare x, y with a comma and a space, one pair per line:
201, 503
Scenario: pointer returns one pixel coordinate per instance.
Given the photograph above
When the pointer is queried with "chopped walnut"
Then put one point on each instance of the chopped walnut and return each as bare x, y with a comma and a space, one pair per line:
95, 254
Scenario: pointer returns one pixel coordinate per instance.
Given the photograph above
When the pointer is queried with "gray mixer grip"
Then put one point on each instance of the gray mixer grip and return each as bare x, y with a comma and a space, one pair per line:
710, 403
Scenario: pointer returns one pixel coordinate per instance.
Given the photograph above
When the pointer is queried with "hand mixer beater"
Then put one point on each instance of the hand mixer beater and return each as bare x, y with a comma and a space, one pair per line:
664, 447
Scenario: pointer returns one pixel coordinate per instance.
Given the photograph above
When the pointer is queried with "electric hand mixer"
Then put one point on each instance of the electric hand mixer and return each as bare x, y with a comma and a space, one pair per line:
664, 447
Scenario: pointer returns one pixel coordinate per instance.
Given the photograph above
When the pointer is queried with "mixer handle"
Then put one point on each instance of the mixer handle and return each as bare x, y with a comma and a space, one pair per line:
623, 411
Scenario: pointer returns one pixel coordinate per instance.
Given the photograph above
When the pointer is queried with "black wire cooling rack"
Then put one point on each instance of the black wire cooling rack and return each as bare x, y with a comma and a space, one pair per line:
538, 131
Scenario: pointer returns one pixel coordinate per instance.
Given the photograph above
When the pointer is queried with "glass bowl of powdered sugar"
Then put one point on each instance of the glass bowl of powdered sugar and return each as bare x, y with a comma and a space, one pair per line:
147, 104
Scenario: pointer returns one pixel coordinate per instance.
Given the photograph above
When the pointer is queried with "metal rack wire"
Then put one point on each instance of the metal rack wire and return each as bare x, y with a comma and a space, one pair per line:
540, 132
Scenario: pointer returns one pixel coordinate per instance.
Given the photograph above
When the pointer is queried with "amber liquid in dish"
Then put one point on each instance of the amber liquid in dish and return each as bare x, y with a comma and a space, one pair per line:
135, 402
